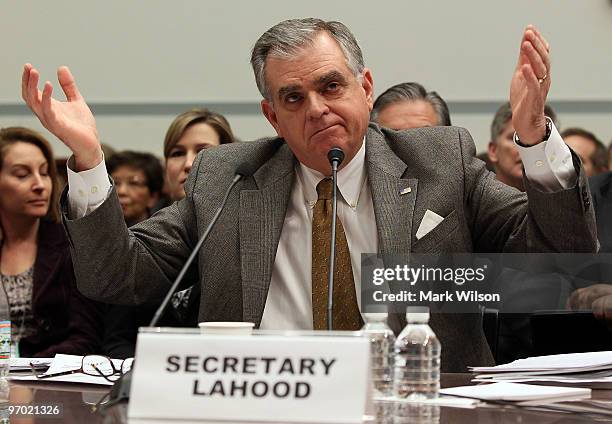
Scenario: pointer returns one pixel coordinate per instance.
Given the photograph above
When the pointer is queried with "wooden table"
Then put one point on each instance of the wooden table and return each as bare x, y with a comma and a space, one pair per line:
77, 400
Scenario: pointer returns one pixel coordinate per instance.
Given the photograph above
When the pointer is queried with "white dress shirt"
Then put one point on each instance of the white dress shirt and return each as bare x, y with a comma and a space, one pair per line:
86, 189
548, 165
289, 302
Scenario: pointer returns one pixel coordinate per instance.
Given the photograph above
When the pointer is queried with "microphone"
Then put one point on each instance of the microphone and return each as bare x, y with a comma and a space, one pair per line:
335, 154
335, 157
245, 169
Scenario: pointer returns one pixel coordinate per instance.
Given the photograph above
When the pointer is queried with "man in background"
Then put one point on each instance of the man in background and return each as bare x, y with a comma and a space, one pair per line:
591, 150
409, 105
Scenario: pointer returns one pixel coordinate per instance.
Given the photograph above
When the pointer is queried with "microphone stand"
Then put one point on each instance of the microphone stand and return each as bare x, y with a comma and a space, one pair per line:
121, 388
335, 156
193, 254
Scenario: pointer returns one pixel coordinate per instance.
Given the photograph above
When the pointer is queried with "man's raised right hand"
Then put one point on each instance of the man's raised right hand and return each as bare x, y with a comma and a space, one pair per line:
70, 121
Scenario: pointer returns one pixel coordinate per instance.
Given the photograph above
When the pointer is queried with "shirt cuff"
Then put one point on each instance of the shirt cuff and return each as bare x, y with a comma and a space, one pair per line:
549, 165
86, 189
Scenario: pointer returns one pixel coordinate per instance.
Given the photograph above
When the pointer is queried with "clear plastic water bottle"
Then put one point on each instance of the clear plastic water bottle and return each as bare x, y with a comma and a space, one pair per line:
417, 369
382, 341
5, 348
5, 334
5, 416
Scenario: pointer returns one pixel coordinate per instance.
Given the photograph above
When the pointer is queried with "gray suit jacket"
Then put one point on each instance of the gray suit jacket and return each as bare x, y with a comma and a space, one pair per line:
113, 264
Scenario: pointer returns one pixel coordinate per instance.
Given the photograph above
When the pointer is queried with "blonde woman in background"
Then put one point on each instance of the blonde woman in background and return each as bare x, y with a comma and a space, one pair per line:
190, 132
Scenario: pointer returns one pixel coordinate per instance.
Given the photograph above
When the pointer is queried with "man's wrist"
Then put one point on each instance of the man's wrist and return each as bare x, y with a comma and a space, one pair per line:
545, 137
85, 163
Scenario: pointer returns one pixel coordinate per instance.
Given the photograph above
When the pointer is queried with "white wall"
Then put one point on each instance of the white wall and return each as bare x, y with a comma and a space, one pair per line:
139, 63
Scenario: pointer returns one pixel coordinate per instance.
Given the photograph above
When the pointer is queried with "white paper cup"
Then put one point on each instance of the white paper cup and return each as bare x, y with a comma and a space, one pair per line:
222, 327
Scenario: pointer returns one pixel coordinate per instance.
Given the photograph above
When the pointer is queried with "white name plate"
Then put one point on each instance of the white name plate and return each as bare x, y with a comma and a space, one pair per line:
271, 378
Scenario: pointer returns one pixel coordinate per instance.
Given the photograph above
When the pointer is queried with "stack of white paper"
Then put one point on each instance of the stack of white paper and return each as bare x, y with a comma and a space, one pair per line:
23, 364
63, 363
590, 369
520, 394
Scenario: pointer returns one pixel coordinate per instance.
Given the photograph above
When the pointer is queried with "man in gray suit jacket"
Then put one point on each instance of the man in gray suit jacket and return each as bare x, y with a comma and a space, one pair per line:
317, 95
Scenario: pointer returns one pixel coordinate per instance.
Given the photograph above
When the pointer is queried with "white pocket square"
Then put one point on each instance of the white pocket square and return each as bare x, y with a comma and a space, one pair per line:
430, 221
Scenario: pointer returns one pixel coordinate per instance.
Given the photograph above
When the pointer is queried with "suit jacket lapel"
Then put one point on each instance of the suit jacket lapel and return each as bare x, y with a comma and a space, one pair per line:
262, 214
394, 197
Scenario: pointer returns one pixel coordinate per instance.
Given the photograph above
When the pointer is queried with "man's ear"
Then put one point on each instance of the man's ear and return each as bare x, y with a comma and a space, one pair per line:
268, 110
492, 152
367, 84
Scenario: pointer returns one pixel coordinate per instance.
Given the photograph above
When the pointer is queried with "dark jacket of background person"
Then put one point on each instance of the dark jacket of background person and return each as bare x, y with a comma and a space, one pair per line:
122, 322
601, 190
121, 325
236, 262
67, 321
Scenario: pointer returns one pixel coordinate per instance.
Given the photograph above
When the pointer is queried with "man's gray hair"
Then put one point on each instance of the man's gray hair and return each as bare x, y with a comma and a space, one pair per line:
286, 39
504, 115
412, 92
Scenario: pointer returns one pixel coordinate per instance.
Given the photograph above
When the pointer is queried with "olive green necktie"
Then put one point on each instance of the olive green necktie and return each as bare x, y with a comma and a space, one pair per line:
346, 314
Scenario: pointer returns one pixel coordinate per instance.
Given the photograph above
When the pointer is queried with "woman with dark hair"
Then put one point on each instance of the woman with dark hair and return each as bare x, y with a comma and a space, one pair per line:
139, 179
48, 314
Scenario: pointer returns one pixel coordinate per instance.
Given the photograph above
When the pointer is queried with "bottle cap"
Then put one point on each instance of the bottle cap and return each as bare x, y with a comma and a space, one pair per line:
375, 316
417, 314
